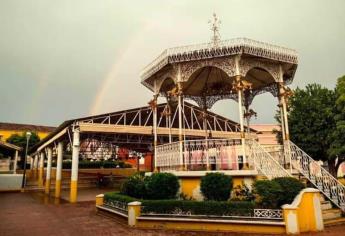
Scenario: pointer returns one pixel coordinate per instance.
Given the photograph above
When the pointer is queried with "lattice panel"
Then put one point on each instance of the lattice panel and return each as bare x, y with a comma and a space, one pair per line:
264, 162
316, 174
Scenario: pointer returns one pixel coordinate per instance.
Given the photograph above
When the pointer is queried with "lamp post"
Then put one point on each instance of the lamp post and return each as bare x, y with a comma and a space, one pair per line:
28, 134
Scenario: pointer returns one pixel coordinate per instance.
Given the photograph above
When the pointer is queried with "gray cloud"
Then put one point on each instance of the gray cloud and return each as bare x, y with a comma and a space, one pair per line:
64, 59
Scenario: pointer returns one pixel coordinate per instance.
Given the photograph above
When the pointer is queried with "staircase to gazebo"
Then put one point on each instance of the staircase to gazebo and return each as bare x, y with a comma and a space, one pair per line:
230, 154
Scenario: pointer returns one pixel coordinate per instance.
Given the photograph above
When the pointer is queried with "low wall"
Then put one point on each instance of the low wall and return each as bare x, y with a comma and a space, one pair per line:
10, 182
303, 215
214, 225
190, 180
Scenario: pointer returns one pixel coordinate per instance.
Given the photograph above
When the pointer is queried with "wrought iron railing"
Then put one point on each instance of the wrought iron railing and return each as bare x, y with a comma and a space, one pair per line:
225, 47
316, 174
217, 154
267, 214
117, 205
277, 152
264, 162
168, 156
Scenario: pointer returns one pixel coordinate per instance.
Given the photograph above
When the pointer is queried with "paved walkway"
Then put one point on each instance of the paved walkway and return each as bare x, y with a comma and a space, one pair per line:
32, 214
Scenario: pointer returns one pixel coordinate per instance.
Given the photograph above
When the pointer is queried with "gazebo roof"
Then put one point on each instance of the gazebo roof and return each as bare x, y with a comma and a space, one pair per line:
224, 48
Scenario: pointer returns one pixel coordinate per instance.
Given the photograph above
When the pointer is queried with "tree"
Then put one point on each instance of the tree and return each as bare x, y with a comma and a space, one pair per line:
311, 121
20, 140
337, 148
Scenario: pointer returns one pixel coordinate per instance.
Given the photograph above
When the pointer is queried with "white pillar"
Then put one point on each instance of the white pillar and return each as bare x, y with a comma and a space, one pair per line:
169, 121
286, 123
31, 163
155, 130
58, 170
49, 168
240, 112
15, 162
180, 133
282, 119
41, 170
75, 162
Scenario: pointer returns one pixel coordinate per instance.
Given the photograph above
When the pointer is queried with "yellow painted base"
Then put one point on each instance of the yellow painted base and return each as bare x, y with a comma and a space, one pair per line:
99, 200
57, 188
190, 186
74, 191
214, 226
47, 187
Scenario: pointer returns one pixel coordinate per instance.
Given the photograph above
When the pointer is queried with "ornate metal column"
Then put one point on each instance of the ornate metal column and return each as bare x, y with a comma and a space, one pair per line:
168, 113
204, 114
153, 105
284, 93
180, 131
240, 86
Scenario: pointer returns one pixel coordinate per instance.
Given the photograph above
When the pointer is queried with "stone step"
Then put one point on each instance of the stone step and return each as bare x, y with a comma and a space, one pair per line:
331, 214
326, 205
333, 222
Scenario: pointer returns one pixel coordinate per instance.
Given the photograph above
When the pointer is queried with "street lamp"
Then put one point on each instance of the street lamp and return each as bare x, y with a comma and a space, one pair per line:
28, 134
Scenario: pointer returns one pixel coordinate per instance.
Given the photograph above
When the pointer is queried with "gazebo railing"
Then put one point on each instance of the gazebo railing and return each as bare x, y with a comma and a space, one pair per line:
218, 154
316, 174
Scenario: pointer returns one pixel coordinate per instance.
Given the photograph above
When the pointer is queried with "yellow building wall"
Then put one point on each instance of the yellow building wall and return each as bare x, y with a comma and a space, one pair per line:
190, 186
5, 134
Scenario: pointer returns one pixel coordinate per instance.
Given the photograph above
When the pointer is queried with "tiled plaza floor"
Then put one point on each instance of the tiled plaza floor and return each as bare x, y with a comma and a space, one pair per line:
32, 214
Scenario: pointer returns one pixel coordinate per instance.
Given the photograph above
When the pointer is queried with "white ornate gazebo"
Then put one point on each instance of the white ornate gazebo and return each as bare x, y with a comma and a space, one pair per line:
237, 69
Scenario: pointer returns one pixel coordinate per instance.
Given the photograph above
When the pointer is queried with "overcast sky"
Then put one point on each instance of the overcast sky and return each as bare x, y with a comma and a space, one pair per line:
66, 59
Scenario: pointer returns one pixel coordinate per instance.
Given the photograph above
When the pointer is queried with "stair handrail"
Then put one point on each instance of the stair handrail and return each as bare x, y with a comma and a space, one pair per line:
263, 161
318, 176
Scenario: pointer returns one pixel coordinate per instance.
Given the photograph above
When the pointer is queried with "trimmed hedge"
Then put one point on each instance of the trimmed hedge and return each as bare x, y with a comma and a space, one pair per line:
267, 193
134, 186
116, 196
216, 208
161, 186
216, 186
94, 164
291, 188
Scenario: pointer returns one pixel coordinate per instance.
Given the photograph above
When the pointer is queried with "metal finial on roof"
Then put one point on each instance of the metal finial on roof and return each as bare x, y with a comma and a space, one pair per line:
215, 22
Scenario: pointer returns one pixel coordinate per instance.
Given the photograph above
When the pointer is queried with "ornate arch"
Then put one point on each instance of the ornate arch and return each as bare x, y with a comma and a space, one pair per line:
226, 64
171, 74
247, 64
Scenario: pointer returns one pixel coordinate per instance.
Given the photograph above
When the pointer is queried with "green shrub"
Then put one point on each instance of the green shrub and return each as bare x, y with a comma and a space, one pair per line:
291, 188
116, 196
134, 186
109, 164
267, 193
161, 186
216, 186
219, 208
242, 193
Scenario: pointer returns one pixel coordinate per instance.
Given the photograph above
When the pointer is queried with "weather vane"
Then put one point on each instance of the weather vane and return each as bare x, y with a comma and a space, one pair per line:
215, 22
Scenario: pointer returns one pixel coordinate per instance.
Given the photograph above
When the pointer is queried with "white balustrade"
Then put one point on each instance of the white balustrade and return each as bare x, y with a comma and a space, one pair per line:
218, 154
316, 174
264, 162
